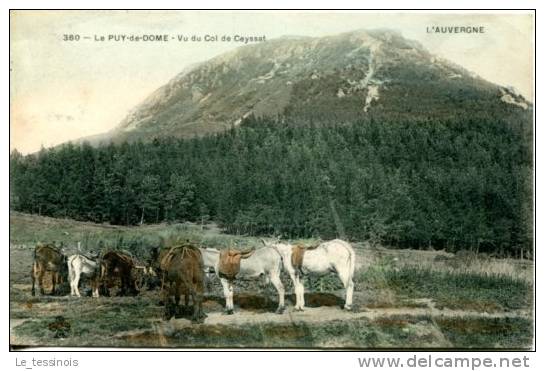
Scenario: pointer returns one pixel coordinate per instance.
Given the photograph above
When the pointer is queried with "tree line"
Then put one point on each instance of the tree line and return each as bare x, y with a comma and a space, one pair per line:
456, 183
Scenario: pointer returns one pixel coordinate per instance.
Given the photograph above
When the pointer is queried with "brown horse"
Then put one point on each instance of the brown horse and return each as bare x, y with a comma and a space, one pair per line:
48, 258
182, 271
115, 264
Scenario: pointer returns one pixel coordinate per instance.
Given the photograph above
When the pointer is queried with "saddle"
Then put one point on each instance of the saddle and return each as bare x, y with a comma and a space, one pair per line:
297, 254
229, 264
182, 248
51, 246
122, 255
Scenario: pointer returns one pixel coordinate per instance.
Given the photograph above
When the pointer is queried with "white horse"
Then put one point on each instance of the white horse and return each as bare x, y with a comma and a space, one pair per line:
79, 265
264, 262
336, 256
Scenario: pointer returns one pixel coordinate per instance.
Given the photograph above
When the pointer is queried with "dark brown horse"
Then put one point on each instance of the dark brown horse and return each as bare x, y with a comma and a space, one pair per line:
48, 258
117, 265
182, 271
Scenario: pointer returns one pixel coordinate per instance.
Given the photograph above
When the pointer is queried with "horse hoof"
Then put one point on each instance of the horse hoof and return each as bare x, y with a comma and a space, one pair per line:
348, 308
229, 311
280, 310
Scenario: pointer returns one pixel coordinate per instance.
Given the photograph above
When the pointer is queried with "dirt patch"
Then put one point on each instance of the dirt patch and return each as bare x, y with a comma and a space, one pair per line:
506, 332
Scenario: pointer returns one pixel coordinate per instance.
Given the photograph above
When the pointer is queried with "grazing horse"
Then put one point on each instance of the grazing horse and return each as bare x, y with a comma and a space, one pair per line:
336, 256
144, 275
264, 262
182, 271
81, 265
48, 258
115, 264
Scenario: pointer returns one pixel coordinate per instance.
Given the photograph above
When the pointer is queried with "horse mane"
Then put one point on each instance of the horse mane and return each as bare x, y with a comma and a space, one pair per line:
121, 255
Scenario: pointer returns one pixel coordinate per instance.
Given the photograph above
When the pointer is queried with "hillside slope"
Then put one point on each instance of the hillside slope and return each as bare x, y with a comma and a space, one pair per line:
347, 76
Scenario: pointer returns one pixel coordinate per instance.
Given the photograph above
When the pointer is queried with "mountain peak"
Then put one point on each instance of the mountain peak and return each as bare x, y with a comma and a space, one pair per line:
350, 75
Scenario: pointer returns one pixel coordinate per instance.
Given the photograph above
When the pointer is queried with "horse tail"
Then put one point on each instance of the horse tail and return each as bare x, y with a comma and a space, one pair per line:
281, 263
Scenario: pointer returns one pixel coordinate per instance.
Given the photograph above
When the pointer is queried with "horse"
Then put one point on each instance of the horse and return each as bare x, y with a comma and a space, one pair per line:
336, 256
263, 262
182, 271
80, 265
115, 264
144, 275
48, 258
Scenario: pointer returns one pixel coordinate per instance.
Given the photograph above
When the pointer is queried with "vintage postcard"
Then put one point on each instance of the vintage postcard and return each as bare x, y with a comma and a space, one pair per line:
307, 180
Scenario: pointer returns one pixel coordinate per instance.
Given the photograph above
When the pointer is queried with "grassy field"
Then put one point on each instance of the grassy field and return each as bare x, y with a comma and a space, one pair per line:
403, 298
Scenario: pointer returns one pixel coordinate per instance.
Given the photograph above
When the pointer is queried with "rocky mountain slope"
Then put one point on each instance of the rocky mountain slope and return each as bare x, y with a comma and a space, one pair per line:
347, 76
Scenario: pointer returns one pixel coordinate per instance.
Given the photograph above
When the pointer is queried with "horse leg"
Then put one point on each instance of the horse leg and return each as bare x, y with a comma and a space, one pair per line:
71, 280
130, 286
123, 288
55, 278
168, 302
198, 299
41, 281
348, 284
299, 293
164, 294
187, 294
295, 279
231, 294
177, 297
178, 291
227, 293
195, 316
197, 284
75, 284
95, 286
277, 283
33, 276
349, 295
135, 288
103, 286
162, 290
